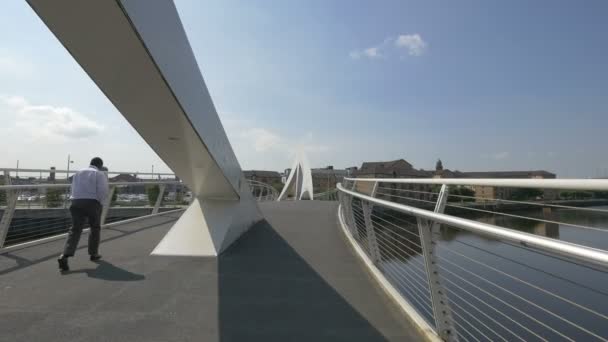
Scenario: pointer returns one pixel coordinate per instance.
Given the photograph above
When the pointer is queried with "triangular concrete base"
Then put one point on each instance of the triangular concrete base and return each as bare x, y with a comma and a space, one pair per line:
208, 227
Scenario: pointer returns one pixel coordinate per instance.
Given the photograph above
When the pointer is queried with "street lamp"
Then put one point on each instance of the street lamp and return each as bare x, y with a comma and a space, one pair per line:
67, 174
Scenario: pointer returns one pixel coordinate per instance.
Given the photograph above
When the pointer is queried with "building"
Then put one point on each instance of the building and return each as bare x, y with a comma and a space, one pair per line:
399, 168
421, 192
268, 177
491, 192
326, 178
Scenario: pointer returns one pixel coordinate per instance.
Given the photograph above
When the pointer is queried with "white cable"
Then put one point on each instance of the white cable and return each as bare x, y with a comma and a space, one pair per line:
471, 325
453, 293
529, 284
491, 307
527, 301
507, 304
604, 230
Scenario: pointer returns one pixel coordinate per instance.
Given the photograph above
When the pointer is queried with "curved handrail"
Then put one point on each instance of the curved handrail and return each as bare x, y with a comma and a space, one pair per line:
262, 191
586, 254
330, 195
561, 184
67, 185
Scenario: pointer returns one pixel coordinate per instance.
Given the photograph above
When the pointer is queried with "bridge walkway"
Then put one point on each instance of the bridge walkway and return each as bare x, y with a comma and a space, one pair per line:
291, 278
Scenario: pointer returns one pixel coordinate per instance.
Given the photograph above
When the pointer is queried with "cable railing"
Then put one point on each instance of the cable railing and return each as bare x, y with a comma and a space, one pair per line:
330, 195
477, 268
39, 174
263, 192
31, 212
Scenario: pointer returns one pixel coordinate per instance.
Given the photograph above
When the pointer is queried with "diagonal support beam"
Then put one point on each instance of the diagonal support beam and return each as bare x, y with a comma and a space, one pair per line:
137, 53
299, 182
429, 237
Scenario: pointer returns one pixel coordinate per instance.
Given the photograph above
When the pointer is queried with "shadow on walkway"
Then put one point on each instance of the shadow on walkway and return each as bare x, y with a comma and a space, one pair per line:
108, 271
56, 246
268, 292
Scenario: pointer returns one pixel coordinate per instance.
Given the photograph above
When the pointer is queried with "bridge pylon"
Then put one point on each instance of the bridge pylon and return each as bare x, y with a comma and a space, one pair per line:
299, 182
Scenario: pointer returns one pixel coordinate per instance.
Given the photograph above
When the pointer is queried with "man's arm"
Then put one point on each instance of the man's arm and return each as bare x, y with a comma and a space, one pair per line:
102, 187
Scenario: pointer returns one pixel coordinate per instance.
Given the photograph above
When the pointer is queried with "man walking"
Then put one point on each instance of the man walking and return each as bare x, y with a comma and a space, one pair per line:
89, 191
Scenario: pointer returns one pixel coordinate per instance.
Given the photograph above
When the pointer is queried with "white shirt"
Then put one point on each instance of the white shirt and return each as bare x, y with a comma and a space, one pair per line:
90, 183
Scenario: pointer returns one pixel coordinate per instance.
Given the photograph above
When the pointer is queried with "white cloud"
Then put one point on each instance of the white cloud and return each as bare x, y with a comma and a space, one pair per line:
49, 122
265, 149
15, 67
262, 139
413, 43
372, 52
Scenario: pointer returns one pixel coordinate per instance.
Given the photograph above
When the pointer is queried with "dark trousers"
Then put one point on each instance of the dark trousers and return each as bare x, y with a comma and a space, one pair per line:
81, 209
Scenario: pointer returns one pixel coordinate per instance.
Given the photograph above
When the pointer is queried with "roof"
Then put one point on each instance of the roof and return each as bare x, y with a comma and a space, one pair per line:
509, 174
398, 168
325, 172
124, 177
261, 173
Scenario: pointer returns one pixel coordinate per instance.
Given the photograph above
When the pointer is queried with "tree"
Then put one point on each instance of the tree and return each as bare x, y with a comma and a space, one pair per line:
461, 191
600, 194
523, 194
576, 195
53, 198
278, 186
115, 195
179, 196
2, 194
153, 191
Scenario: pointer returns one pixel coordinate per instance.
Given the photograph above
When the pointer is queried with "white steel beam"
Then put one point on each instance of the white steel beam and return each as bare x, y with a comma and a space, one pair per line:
299, 182
106, 206
429, 238
533, 183
137, 53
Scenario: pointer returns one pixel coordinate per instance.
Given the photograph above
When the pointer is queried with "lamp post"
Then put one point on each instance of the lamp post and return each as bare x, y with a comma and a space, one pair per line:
67, 174
17, 172
152, 171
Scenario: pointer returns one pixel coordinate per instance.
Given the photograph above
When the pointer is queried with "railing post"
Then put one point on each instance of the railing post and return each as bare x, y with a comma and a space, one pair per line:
374, 190
371, 234
7, 216
429, 235
349, 215
159, 199
106, 205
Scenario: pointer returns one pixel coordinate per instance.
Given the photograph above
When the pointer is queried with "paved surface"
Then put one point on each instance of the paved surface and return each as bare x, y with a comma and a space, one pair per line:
292, 278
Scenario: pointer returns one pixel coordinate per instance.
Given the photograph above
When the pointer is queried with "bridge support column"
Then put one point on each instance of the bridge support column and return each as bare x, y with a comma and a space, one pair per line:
346, 203
159, 199
7, 216
429, 236
106, 205
374, 249
138, 54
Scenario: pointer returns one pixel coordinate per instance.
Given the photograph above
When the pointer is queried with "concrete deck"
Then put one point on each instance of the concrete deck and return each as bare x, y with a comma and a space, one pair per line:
291, 278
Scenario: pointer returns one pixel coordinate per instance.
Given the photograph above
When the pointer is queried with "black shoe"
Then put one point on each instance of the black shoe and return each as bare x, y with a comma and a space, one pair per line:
96, 257
63, 264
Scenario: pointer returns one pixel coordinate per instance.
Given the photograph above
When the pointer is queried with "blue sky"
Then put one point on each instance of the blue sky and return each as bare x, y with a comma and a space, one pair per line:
483, 85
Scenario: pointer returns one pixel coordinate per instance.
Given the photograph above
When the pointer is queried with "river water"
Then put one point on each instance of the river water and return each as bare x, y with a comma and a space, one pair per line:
502, 291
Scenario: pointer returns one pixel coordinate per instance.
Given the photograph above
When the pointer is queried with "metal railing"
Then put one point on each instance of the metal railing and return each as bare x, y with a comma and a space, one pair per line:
331, 195
59, 174
37, 211
263, 192
473, 268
